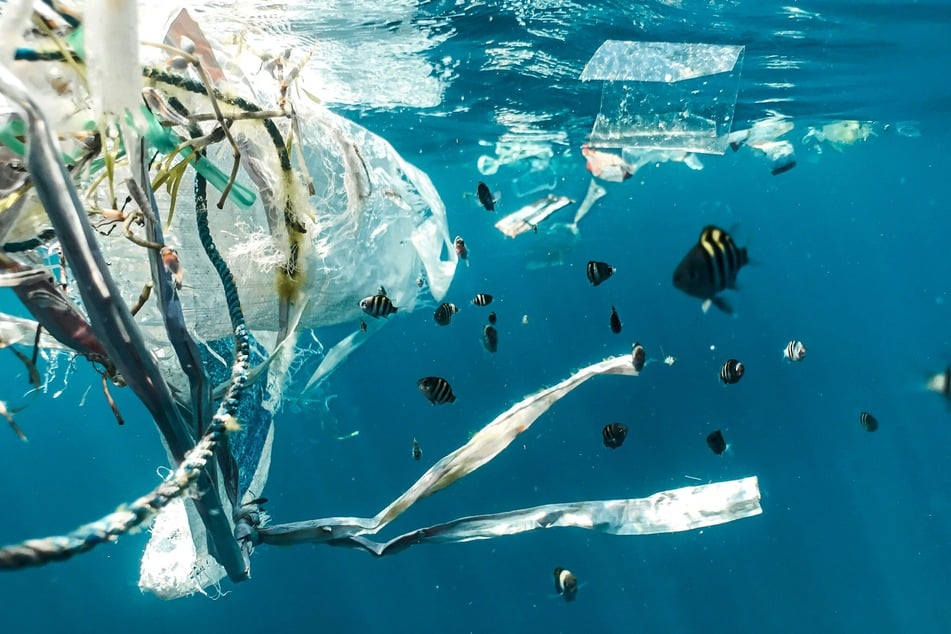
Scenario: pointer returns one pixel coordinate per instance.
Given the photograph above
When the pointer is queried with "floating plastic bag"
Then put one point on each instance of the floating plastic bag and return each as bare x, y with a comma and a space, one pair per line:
665, 95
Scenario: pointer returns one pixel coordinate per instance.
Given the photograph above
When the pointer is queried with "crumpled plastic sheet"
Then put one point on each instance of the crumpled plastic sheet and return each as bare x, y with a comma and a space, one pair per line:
683, 509
668, 62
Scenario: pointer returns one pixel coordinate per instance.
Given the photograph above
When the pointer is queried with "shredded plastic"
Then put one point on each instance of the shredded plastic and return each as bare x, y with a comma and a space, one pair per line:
687, 508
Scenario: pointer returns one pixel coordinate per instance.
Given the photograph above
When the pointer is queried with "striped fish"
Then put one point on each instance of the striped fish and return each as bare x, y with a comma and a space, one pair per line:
731, 372
709, 267
869, 422
598, 271
444, 313
482, 299
436, 390
378, 305
795, 351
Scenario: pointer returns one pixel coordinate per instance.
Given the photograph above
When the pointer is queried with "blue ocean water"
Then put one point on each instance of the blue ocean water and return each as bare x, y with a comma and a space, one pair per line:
849, 253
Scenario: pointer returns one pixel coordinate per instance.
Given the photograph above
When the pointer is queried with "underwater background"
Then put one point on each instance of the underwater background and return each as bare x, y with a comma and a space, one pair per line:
849, 254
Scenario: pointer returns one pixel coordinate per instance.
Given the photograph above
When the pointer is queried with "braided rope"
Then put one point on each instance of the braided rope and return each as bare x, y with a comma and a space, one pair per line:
37, 552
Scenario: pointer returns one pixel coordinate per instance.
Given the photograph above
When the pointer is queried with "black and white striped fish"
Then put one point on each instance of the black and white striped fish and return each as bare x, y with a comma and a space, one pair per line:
794, 351
436, 390
598, 271
378, 305
482, 299
417, 450
869, 422
709, 267
731, 372
444, 313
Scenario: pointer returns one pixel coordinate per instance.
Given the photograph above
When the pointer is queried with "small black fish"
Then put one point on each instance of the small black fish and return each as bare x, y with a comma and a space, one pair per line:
598, 271
615, 322
485, 196
444, 313
613, 435
795, 351
436, 390
869, 422
639, 356
490, 338
417, 450
378, 305
731, 372
492, 317
482, 299
709, 267
716, 443
566, 584
363, 325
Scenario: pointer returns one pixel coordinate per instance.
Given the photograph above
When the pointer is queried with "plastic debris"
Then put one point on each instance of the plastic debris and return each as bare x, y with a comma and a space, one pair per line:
665, 95
528, 217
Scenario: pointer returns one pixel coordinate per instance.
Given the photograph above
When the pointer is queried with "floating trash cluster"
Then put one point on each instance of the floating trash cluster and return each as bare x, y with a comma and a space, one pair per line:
111, 204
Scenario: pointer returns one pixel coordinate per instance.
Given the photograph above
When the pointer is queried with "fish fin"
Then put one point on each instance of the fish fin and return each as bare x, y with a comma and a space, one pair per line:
745, 257
722, 304
705, 306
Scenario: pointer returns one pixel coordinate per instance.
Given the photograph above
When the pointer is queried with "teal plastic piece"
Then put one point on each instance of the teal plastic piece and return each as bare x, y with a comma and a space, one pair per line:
159, 137
166, 141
